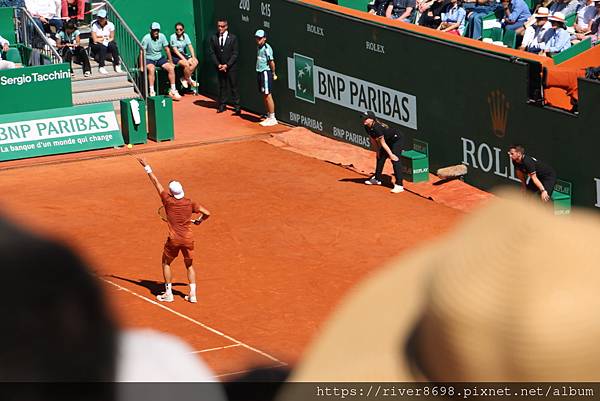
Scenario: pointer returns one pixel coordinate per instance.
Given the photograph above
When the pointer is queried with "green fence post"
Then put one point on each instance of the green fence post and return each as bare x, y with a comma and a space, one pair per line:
133, 133
160, 118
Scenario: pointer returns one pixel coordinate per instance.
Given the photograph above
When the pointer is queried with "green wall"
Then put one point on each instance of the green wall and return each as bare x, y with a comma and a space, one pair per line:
468, 105
139, 14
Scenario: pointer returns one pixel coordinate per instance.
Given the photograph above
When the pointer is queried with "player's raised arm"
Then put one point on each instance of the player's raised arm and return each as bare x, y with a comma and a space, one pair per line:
151, 175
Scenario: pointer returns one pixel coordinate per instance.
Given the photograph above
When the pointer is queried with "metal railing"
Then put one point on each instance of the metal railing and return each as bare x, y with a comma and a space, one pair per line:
31, 36
130, 51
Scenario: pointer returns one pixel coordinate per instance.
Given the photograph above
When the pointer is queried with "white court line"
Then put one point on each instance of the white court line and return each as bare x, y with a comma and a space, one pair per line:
216, 349
204, 326
250, 370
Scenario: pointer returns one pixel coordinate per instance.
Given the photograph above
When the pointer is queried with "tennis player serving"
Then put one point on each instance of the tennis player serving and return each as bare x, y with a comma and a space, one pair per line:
179, 211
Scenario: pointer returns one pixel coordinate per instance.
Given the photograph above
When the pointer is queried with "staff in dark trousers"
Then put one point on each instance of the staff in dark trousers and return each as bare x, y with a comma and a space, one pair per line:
223, 52
542, 177
387, 143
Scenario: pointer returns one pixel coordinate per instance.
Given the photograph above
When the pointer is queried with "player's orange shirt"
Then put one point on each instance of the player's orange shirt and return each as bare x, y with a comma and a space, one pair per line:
179, 216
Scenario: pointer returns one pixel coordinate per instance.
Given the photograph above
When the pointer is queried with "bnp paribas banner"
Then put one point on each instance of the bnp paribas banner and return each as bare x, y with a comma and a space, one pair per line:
468, 105
65, 130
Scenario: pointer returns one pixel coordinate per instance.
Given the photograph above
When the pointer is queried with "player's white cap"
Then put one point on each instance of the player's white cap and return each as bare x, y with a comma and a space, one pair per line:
176, 189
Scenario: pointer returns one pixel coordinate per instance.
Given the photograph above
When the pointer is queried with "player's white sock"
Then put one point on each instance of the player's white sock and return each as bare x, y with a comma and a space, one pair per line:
193, 289
168, 288
173, 88
271, 115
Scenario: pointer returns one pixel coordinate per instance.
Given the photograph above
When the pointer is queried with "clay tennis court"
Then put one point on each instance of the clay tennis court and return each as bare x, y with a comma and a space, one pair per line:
288, 237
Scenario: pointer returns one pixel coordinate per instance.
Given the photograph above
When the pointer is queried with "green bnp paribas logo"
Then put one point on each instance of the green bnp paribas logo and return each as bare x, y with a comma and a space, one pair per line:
305, 87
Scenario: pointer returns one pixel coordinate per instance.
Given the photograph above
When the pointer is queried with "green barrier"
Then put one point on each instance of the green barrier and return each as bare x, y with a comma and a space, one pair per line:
160, 118
35, 88
55, 131
360, 5
7, 24
572, 51
469, 105
133, 133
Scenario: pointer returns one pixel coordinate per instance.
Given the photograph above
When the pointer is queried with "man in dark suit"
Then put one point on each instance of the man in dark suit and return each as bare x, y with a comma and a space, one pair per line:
224, 53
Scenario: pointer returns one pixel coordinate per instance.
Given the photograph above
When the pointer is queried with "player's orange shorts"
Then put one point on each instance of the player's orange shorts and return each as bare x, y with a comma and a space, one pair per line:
172, 248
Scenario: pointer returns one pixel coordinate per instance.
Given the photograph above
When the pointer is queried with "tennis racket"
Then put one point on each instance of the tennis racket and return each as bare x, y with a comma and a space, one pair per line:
162, 213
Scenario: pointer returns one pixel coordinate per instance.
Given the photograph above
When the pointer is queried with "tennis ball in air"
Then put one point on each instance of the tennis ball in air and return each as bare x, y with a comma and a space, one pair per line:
130, 146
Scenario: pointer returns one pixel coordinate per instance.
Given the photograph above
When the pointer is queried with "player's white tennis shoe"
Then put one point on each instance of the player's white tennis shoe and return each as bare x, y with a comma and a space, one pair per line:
191, 298
269, 122
373, 181
165, 297
397, 189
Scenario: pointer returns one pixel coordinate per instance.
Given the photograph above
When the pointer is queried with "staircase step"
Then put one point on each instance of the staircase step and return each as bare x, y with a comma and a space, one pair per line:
96, 75
98, 86
110, 95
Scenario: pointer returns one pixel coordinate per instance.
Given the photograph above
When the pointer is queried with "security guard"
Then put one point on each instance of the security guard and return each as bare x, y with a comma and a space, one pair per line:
387, 143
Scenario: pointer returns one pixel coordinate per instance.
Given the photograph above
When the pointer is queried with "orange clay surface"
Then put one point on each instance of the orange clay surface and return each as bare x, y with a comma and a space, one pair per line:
288, 237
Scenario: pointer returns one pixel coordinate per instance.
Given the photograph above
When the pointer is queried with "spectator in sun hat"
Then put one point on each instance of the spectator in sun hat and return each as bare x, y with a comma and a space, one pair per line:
557, 38
459, 311
103, 42
154, 43
533, 39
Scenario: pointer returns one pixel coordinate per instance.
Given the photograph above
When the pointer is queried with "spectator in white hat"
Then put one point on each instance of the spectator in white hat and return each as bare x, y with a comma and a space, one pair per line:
557, 39
533, 39
103, 42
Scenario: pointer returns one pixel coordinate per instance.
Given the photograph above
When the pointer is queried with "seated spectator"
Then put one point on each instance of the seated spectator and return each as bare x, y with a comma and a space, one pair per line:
431, 13
73, 9
378, 7
533, 39
475, 17
154, 43
5, 65
68, 43
45, 13
184, 55
12, 3
567, 7
453, 19
402, 10
585, 20
516, 13
103, 42
557, 38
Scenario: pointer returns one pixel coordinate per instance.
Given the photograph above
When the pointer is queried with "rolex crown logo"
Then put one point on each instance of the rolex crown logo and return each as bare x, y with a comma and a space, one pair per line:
498, 112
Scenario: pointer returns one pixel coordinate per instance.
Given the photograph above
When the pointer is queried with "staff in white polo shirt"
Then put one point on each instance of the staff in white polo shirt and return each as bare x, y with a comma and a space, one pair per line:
103, 42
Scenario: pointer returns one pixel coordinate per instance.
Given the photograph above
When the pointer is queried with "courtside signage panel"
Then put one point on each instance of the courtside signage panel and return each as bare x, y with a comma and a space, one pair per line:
57, 131
310, 82
35, 88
